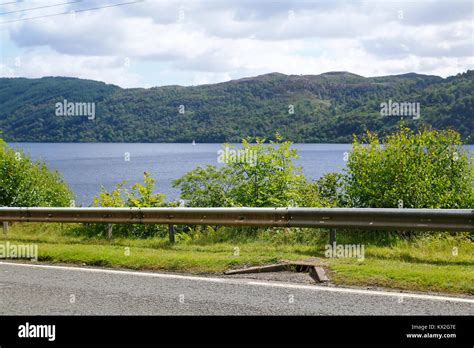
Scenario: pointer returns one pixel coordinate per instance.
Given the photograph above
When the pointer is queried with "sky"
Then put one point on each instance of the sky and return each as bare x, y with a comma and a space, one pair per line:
167, 42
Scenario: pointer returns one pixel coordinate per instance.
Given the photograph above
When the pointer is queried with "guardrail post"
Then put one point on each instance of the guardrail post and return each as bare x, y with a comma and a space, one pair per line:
171, 233
5, 227
332, 236
109, 231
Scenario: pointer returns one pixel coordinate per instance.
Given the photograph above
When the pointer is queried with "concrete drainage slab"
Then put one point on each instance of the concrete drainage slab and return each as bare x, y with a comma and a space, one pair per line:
313, 266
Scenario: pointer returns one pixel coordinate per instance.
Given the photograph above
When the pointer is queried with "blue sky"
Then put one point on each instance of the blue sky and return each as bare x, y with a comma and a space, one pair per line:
165, 42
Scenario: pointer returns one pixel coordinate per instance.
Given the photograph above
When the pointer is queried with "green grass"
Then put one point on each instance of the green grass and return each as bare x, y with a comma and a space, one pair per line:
429, 263
425, 262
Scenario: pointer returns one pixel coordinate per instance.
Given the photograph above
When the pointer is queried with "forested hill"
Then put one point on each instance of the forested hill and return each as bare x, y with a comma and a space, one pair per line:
326, 108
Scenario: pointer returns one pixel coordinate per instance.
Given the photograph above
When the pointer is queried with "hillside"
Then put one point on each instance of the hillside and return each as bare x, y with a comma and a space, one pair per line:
327, 108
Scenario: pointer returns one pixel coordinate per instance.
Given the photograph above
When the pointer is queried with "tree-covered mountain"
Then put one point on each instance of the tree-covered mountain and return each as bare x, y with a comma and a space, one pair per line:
304, 108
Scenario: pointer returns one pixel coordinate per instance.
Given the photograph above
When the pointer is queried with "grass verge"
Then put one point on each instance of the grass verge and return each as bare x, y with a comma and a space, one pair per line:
429, 262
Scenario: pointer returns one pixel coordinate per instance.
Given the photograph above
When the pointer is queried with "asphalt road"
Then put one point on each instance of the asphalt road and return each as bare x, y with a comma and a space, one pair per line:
32, 289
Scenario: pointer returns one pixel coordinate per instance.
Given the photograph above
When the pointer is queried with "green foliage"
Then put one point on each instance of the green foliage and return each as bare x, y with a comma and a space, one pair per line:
207, 187
24, 183
263, 176
424, 169
272, 181
138, 196
330, 190
427, 169
329, 107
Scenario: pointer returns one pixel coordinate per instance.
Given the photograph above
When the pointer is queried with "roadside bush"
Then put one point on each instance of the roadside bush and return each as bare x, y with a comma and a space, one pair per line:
330, 189
263, 176
24, 183
140, 196
208, 187
428, 169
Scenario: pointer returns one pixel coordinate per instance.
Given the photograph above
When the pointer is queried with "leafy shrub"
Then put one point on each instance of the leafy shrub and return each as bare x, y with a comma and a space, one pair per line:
140, 196
428, 169
24, 183
331, 190
266, 178
207, 187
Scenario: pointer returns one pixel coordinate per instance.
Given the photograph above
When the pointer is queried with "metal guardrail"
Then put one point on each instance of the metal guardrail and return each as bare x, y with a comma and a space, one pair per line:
347, 218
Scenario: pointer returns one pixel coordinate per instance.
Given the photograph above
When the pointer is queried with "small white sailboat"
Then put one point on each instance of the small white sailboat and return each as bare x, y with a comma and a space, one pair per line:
194, 143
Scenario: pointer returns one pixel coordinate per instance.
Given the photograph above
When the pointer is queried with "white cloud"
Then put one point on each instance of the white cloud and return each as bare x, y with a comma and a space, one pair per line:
38, 63
214, 41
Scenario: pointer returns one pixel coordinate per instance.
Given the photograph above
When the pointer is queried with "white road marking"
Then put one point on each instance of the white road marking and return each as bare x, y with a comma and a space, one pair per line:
365, 292
253, 283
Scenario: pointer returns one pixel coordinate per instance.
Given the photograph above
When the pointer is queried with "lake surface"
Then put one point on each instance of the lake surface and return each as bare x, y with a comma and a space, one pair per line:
88, 166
